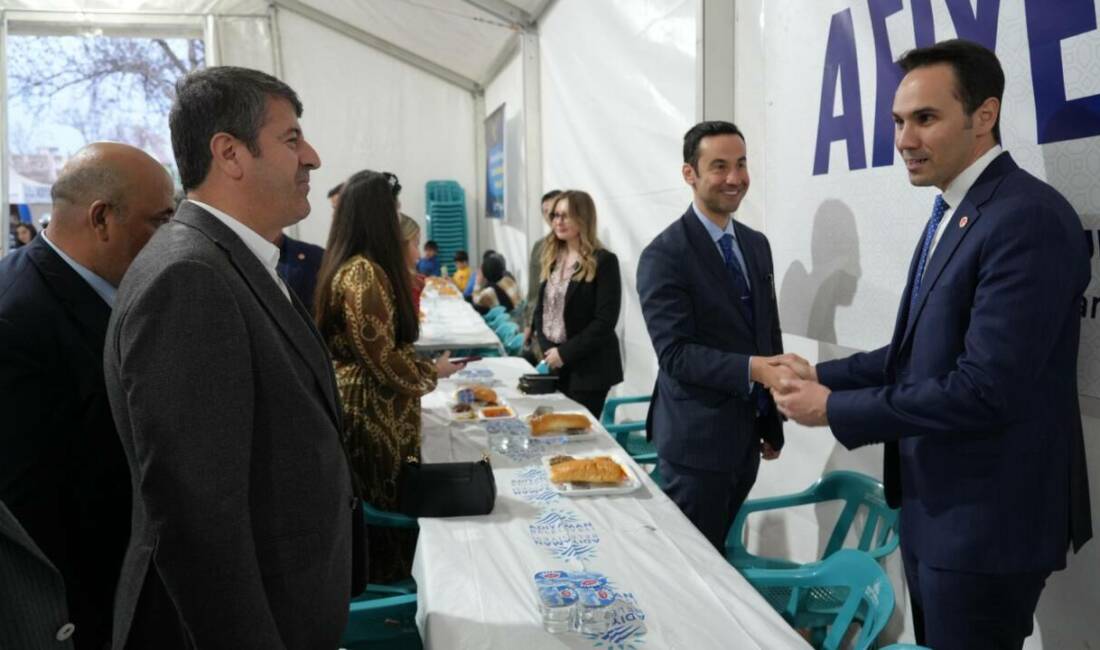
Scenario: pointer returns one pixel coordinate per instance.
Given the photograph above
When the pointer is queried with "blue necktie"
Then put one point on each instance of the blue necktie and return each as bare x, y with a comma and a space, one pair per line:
740, 285
929, 234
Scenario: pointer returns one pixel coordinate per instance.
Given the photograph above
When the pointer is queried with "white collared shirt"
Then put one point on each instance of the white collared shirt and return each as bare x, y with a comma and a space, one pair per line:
265, 251
957, 190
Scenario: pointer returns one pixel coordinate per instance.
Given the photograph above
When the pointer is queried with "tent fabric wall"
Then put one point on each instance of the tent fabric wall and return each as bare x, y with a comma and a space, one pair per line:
366, 110
618, 95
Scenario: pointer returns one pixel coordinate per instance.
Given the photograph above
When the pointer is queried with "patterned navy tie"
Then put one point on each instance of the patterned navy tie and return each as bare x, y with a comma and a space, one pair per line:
929, 234
740, 284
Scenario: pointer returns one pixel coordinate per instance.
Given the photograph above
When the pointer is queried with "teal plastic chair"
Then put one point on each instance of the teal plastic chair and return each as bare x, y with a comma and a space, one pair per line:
514, 345
385, 519
495, 320
506, 330
828, 596
380, 619
497, 311
880, 532
630, 434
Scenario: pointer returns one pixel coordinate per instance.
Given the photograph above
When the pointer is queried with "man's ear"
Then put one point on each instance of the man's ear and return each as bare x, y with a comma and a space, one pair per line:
97, 218
689, 174
986, 115
226, 155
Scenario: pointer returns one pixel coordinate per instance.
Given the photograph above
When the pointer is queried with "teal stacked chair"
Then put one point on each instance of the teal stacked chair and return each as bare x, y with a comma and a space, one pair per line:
506, 329
514, 345
828, 596
446, 219
380, 619
879, 537
630, 434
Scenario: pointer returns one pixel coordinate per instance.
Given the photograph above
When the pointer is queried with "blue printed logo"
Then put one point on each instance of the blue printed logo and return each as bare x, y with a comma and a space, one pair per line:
565, 535
533, 485
627, 628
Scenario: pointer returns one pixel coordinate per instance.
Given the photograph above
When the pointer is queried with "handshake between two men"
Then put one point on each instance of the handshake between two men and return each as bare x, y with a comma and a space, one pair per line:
793, 383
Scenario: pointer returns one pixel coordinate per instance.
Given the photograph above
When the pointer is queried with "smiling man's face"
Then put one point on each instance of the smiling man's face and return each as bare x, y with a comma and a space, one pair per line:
721, 177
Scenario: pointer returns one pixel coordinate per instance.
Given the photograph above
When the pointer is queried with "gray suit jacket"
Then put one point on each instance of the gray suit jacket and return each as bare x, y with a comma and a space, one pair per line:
225, 400
33, 614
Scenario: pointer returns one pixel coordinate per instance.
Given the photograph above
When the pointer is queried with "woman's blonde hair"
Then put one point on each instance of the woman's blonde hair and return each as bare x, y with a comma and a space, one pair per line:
409, 227
582, 211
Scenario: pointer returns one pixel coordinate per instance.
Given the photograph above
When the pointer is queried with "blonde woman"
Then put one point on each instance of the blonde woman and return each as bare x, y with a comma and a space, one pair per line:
578, 303
410, 236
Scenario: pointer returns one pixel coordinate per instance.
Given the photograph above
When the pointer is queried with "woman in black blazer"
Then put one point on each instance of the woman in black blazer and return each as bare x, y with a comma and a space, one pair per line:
578, 305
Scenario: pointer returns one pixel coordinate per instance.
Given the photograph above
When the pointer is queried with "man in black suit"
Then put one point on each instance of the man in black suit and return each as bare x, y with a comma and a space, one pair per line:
62, 470
298, 264
225, 398
33, 615
708, 298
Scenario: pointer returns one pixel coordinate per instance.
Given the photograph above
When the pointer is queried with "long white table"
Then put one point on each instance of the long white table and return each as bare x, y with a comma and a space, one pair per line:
452, 323
474, 574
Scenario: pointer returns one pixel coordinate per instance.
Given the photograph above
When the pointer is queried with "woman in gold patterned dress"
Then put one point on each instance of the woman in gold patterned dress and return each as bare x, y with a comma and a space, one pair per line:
365, 312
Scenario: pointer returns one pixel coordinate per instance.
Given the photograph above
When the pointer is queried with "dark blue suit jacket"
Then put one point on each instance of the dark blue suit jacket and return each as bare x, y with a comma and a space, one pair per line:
702, 414
298, 266
63, 473
976, 395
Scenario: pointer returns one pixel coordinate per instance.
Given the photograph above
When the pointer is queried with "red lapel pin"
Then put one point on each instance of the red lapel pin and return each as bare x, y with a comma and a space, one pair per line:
962, 222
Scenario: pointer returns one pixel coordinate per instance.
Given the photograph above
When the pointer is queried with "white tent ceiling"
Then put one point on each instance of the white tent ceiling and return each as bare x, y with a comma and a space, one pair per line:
463, 41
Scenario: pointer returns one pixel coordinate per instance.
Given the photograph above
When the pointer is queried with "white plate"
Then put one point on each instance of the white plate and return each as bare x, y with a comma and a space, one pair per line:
594, 489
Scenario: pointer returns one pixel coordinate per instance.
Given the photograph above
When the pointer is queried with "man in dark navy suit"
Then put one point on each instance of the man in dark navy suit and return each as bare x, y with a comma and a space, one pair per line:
62, 470
298, 264
976, 394
708, 298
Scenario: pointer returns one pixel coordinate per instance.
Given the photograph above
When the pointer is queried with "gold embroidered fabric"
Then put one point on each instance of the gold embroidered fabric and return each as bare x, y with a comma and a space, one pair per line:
380, 386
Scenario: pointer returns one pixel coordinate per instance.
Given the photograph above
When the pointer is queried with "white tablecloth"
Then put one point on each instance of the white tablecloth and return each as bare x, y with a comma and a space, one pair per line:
451, 323
474, 574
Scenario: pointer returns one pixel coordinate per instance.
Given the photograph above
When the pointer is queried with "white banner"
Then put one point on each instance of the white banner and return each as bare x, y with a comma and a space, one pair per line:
841, 216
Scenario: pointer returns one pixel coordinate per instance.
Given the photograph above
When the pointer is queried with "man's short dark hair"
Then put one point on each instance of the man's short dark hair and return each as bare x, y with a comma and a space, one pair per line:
702, 130
334, 191
552, 194
978, 73
430, 245
222, 99
462, 256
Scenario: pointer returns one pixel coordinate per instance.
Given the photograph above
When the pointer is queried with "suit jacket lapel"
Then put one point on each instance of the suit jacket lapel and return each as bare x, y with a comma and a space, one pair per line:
87, 308
294, 326
707, 253
970, 210
11, 529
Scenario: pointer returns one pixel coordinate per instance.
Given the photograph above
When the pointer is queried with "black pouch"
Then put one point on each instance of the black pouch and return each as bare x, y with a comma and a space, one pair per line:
446, 489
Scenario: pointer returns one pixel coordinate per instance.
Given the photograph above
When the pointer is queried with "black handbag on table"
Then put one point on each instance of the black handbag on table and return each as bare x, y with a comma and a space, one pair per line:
446, 489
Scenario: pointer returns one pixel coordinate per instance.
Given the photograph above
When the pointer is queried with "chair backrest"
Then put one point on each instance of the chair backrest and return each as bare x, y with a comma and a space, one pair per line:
849, 579
514, 345
506, 329
496, 312
859, 491
387, 623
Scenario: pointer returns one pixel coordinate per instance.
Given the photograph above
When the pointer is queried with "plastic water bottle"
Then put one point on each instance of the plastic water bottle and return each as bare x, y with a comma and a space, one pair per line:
594, 610
556, 604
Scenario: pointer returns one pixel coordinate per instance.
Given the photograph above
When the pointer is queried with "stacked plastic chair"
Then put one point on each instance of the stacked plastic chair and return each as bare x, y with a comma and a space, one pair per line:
446, 207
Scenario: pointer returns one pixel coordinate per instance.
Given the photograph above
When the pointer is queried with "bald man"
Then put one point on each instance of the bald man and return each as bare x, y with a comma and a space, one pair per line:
62, 470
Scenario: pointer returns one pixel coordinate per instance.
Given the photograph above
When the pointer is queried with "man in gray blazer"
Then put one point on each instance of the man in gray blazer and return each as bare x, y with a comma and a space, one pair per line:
33, 614
224, 396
